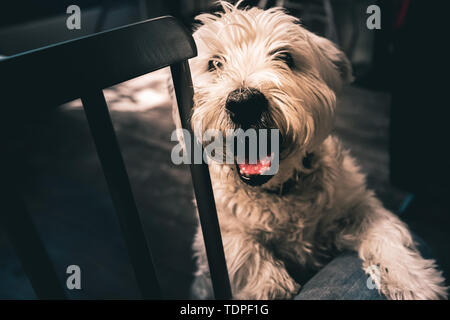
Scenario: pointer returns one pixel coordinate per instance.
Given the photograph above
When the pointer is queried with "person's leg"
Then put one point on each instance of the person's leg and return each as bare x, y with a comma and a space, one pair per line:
341, 279
344, 279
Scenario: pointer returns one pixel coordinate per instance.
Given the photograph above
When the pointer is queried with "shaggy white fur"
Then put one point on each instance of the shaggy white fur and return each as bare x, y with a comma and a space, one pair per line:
327, 206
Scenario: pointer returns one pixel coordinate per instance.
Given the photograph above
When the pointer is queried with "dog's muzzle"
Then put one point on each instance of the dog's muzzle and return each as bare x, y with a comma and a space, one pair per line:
248, 108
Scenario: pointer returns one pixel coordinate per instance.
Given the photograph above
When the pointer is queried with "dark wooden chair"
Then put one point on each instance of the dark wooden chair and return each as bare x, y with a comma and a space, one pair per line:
82, 68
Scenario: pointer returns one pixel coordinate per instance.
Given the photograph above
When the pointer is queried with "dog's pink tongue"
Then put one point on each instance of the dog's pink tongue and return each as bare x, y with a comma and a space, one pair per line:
257, 168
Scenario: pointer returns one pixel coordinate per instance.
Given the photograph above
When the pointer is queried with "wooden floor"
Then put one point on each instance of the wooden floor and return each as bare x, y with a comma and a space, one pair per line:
65, 191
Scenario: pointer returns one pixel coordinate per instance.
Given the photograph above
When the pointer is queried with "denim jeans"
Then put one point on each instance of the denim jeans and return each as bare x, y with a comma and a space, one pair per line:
344, 279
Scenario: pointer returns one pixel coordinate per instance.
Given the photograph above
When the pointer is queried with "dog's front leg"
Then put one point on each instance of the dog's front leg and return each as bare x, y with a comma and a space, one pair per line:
390, 256
254, 272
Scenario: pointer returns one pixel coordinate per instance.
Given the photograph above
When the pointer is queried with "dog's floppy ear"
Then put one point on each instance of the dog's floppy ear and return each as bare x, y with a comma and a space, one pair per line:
332, 63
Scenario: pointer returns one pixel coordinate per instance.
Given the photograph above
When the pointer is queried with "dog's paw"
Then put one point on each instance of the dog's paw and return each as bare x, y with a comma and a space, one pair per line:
425, 283
270, 291
282, 292
430, 291
435, 292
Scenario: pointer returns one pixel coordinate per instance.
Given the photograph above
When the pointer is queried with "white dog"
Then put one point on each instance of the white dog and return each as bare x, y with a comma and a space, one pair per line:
261, 69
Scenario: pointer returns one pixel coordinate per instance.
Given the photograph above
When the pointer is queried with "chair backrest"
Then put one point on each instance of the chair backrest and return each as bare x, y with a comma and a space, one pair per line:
65, 71
82, 68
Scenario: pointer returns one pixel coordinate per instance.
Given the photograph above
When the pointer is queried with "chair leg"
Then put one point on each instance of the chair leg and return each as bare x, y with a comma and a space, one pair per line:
206, 206
26, 241
108, 150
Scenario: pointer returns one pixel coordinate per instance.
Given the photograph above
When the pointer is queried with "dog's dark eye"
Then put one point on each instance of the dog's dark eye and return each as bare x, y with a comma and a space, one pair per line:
214, 64
286, 57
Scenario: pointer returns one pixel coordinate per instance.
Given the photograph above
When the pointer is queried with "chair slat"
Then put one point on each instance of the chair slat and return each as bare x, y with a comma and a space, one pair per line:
108, 150
206, 205
25, 239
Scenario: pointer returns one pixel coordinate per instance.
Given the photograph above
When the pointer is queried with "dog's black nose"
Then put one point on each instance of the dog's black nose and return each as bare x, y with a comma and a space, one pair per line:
246, 105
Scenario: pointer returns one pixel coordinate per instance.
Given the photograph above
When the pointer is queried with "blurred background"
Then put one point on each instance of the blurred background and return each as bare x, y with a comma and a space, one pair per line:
393, 118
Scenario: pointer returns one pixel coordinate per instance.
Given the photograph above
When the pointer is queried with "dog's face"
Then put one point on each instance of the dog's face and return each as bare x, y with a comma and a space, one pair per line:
261, 69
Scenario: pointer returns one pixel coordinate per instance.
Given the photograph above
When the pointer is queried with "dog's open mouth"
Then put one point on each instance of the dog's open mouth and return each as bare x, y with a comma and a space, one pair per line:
257, 165
255, 174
